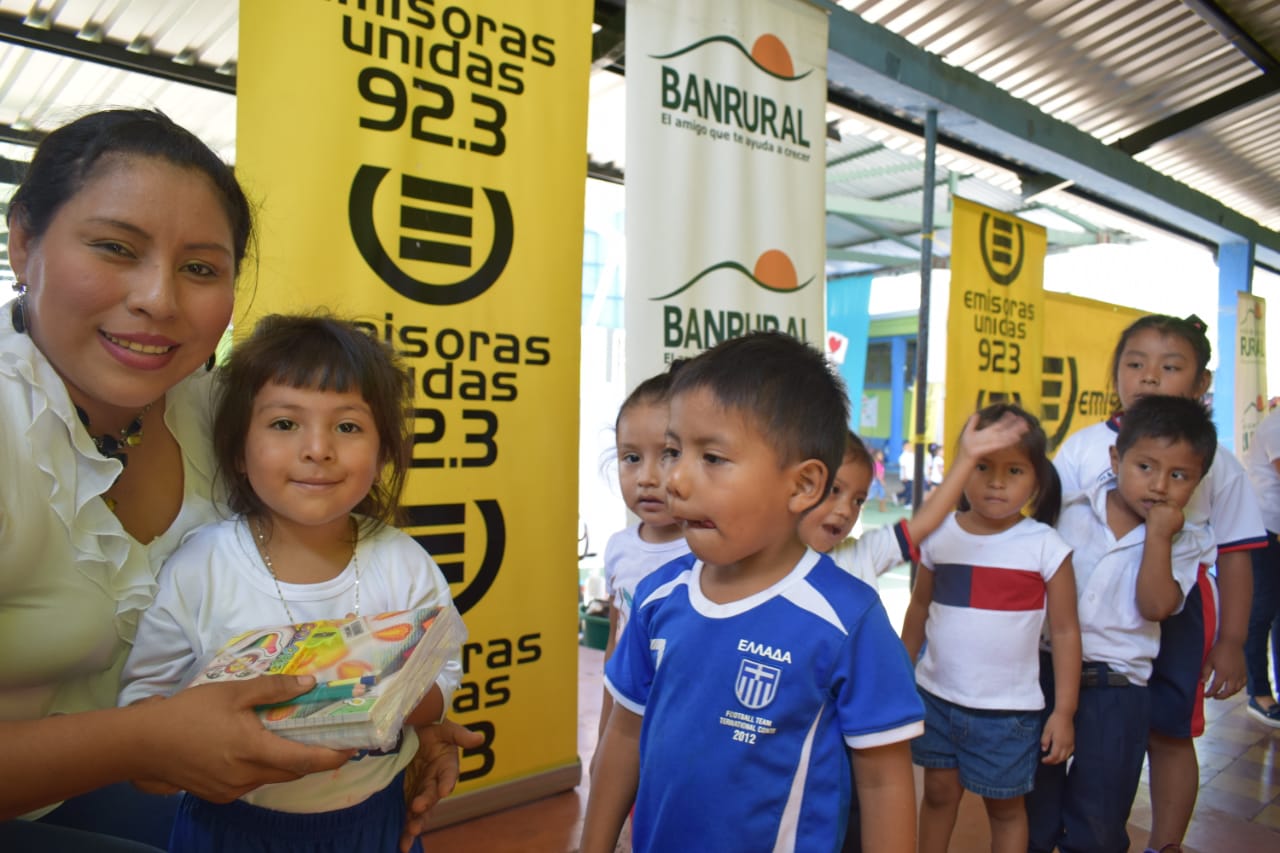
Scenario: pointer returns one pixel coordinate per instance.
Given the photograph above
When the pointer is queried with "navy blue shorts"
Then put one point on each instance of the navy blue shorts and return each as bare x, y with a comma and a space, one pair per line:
372, 826
1186, 637
995, 751
1083, 806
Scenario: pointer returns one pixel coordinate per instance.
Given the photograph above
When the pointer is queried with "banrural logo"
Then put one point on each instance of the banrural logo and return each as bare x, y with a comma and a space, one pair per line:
773, 271
731, 110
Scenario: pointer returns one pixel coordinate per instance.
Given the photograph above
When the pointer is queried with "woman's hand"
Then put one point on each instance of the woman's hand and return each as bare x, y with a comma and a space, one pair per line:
433, 773
209, 741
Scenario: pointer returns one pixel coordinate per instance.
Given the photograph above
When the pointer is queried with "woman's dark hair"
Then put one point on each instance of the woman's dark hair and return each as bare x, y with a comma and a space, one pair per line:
1191, 329
1047, 500
326, 354
69, 156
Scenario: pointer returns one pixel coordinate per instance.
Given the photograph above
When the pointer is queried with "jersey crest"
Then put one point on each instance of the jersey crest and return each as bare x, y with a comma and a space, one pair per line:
757, 684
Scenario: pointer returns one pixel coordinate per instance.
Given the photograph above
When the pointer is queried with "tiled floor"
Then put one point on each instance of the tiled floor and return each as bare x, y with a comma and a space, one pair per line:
1238, 810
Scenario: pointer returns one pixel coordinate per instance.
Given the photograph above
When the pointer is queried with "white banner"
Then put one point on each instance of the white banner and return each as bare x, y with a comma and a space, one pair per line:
725, 165
1251, 368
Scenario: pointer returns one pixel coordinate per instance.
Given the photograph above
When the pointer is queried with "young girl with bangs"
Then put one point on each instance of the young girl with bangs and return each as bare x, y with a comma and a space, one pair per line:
312, 444
989, 575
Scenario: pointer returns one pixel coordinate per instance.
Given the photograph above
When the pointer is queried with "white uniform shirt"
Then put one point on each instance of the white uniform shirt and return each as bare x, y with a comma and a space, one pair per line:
1112, 631
872, 554
72, 581
983, 630
628, 559
1224, 499
1258, 460
216, 586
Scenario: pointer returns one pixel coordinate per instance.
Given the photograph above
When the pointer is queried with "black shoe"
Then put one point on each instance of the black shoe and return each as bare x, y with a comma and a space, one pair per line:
1266, 716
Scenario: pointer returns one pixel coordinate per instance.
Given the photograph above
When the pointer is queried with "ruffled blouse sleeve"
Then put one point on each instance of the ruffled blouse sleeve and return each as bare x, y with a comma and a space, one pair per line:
73, 582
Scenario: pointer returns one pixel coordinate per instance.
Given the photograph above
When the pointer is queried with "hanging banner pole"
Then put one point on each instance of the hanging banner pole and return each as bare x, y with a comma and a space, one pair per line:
419, 167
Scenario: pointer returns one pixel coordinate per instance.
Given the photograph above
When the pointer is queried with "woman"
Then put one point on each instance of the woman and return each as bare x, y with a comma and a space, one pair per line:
126, 237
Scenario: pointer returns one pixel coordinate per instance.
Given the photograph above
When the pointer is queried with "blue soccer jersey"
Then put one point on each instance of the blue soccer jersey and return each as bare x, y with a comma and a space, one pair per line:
748, 706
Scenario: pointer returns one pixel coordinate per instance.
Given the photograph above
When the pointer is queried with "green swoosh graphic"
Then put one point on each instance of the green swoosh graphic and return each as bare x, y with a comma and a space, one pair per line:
730, 265
738, 45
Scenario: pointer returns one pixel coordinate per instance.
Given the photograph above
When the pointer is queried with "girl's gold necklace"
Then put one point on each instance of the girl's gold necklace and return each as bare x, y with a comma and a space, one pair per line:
261, 538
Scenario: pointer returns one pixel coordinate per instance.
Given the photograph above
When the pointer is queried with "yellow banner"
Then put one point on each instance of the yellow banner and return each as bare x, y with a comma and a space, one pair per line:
995, 322
1080, 338
420, 166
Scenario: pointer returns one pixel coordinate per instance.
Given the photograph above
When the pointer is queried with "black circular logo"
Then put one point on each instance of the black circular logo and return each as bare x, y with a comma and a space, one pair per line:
441, 529
436, 219
1003, 248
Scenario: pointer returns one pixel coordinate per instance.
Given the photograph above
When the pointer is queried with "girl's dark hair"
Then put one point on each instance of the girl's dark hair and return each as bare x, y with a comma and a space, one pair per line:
1191, 329
655, 389
67, 158
323, 353
1047, 500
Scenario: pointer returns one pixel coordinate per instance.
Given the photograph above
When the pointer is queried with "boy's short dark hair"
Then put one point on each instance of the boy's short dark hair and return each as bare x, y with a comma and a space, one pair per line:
785, 386
1173, 418
856, 451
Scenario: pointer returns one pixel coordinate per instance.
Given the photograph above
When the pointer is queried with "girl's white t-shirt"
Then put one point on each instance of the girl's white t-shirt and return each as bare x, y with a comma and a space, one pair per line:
628, 559
983, 632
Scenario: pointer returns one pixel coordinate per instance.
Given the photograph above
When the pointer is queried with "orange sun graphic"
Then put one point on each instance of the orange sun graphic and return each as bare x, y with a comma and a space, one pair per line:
775, 269
772, 54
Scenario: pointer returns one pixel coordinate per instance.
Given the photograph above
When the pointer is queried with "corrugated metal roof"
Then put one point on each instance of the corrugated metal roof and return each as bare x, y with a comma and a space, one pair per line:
1112, 68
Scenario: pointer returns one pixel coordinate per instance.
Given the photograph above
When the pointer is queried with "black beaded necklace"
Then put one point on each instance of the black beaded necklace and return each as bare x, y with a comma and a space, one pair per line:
114, 447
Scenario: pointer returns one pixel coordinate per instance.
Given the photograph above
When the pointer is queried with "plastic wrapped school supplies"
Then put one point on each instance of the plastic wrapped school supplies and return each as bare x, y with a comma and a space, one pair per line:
370, 672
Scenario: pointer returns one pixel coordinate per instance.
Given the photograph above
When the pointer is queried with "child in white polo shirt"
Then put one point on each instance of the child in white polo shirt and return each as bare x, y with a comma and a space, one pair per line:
1135, 558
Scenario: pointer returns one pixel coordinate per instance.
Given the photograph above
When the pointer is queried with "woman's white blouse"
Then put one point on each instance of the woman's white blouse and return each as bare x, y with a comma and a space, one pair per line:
72, 581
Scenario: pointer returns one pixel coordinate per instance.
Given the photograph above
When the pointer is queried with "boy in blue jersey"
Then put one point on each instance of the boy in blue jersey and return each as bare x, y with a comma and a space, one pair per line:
751, 664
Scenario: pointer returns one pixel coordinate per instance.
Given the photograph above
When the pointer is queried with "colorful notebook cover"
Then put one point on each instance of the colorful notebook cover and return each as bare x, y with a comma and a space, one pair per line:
370, 672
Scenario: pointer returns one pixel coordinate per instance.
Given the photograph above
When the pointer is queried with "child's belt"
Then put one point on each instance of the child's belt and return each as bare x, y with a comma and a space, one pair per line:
1099, 675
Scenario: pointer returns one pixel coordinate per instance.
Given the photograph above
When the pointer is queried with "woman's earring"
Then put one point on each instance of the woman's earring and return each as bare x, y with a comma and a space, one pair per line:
18, 313
212, 362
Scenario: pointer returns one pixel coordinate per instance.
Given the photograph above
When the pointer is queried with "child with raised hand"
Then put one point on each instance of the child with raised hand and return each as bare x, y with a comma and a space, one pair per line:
1159, 354
980, 600
1136, 558
827, 527
656, 539
312, 444
750, 665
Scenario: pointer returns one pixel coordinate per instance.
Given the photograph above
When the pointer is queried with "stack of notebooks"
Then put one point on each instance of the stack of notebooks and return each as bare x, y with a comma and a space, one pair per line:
370, 672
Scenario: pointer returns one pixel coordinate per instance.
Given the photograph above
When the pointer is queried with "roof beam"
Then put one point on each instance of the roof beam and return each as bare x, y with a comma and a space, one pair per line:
887, 211
609, 43
1215, 16
871, 65
1207, 110
67, 43
859, 257
882, 233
